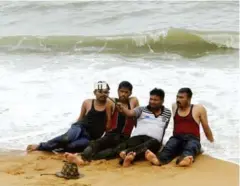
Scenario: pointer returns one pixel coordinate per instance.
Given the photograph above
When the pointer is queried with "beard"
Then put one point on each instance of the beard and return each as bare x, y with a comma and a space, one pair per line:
155, 107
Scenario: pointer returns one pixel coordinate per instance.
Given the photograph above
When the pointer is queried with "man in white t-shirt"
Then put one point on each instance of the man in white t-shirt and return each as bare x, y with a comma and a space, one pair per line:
152, 122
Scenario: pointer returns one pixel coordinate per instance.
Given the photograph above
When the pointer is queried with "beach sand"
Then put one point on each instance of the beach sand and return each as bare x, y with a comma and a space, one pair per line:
25, 169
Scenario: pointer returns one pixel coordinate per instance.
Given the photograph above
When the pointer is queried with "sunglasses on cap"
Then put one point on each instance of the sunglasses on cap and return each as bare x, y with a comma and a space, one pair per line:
101, 85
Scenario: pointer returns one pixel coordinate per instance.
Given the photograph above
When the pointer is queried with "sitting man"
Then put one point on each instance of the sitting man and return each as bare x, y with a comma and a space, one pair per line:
186, 133
152, 122
94, 118
120, 129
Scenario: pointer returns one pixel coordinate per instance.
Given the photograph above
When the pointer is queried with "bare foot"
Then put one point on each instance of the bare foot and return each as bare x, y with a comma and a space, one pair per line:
128, 159
151, 157
32, 147
187, 161
74, 158
123, 154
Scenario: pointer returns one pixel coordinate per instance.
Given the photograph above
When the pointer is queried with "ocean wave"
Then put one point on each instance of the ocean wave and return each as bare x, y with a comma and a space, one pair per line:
187, 43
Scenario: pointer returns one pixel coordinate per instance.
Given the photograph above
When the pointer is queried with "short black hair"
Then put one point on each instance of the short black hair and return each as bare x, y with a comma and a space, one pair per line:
158, 92
125, 84
186, 90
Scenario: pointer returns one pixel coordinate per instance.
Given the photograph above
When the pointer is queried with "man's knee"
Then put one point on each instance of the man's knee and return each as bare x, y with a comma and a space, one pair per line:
195, 144
87, 153
192, 148
172, 143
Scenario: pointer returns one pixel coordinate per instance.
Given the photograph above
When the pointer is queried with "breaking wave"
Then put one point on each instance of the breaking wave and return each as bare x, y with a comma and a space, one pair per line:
187, 43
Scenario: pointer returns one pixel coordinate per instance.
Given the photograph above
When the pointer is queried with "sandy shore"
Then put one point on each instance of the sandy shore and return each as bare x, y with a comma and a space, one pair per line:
25, 169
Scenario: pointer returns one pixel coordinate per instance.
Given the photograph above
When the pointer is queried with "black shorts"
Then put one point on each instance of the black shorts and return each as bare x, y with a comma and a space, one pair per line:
103, 148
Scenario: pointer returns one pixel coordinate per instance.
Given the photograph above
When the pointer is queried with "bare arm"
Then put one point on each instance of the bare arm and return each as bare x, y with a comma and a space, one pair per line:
109, 108
134, 102
83, 111
204, 122
127, 112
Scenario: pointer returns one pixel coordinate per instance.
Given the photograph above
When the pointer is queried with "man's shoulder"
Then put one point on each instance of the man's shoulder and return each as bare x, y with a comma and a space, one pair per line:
167, 111
199, 107
88, 101
133, 98
142, 109
134, 101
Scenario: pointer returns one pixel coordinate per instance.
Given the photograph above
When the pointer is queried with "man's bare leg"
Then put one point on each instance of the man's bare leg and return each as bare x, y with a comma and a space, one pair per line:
32, 147
151, 157
186, 161
128, 159
74, 158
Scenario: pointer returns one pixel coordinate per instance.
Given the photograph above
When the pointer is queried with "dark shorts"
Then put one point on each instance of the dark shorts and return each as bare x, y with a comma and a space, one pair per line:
104, 147
180, 145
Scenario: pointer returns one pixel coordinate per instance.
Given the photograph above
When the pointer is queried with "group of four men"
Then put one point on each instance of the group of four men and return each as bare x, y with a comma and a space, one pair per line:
118, 127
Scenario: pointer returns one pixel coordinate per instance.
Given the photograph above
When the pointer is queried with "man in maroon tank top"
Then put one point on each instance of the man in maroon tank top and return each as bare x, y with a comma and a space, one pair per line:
185, 141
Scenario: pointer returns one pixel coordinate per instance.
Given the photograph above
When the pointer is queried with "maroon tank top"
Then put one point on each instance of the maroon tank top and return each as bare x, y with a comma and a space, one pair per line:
186, 124
121, 124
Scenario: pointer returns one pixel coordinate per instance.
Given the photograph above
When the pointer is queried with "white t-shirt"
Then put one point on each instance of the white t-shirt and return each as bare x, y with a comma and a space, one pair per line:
150, 125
